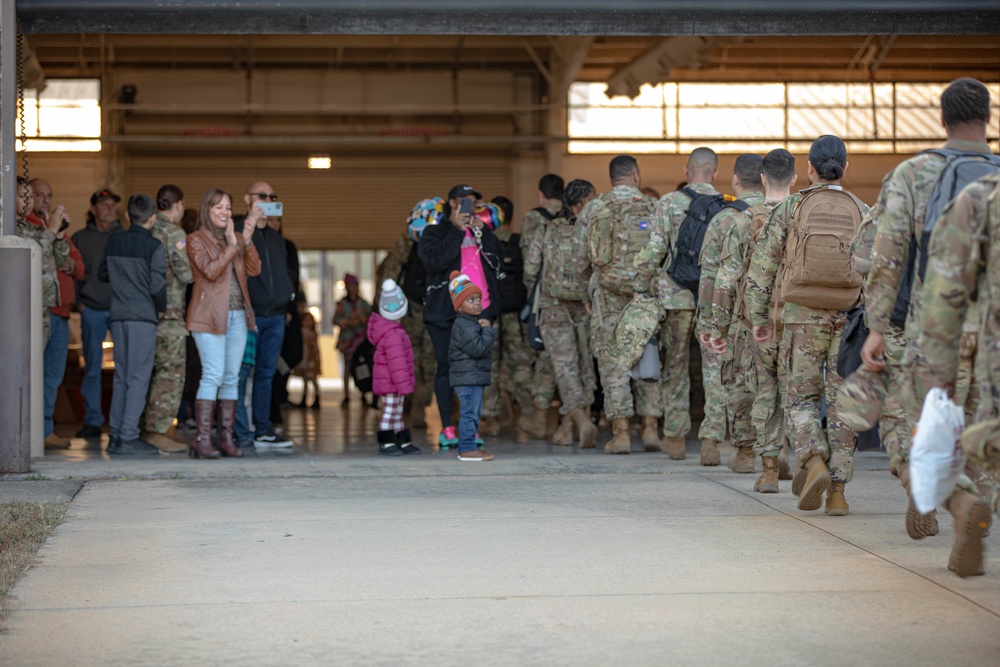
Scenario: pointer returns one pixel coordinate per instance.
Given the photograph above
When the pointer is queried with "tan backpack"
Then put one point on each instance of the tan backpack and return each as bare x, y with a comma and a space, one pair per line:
817, 260
566, 270
630, 228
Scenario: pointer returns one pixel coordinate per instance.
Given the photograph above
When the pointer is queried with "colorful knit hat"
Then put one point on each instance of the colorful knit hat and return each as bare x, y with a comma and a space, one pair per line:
461, 288
392, 304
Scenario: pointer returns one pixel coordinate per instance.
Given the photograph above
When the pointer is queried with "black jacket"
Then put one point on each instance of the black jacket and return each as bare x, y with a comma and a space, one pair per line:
440, 249
92, 292
135, 264
470, 353
272, 290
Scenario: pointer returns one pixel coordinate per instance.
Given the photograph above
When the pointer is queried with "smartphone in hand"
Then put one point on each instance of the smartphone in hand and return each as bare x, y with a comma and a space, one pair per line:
466, 206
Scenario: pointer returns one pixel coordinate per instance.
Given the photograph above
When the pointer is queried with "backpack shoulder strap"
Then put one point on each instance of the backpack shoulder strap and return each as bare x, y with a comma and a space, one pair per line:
738, 204
544, 212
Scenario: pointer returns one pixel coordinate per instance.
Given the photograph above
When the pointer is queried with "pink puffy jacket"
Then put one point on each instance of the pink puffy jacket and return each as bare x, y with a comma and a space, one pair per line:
393, 372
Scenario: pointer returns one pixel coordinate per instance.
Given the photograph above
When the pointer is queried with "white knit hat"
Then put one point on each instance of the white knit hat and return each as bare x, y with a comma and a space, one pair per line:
392, 304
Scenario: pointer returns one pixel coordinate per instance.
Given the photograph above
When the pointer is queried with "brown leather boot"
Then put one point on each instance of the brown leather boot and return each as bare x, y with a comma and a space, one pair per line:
564, 434
836, 503
202, 447
768, 481
784, 466
621, 442
227, 415
710, 452
972, 522
650, 434
816, 484
742, 460
675, 447
918, 526
585, 427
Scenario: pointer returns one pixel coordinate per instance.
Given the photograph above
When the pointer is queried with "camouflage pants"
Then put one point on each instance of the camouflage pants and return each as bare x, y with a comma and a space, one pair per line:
566, 330
167, 383
966, 387
543, 389
812, 349
512, 366
737, 372
767, 384
424, 362
675, 381
617, 385
713, 426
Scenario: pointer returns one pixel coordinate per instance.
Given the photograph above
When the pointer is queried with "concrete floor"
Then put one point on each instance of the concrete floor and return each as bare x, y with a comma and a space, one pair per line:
545, 556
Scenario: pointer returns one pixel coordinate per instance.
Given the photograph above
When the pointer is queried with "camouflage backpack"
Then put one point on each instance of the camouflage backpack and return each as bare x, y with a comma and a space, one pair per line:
618, 238
817, 258
567, 265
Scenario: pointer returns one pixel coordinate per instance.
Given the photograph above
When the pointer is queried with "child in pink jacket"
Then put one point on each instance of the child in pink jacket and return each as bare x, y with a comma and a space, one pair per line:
392, 375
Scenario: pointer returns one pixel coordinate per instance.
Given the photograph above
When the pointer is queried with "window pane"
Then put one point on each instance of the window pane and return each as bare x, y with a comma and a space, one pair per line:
732, 94
732, 123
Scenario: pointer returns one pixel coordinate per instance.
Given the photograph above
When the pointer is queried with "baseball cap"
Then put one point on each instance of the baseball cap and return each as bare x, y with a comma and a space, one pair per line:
103, 194
461, 191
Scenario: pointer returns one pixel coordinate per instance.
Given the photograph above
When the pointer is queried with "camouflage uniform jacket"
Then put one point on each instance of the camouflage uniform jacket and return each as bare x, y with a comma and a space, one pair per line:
766, 260
964, 255
534, 222
392, 265
734, 262
667, 219
179, 274
899, 215
55, 256
535, 256
711, 256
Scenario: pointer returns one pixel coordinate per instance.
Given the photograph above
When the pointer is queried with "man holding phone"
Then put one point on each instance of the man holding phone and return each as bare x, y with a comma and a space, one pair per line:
58, 343
270, 294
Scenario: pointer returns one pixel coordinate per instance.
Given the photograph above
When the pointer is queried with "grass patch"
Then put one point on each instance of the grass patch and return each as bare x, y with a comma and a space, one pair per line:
23, 529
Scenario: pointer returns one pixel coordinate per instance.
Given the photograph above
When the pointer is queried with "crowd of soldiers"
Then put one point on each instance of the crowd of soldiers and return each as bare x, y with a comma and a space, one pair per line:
613, 280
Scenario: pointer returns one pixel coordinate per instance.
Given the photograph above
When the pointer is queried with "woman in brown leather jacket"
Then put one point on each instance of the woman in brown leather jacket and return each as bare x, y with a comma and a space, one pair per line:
220, 315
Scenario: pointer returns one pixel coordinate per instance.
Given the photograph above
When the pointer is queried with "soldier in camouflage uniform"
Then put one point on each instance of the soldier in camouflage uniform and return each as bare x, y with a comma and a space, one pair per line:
561, 254
757, 390
167, 382
811, 341
964, 256
54, 247
718, 397
534, 421
675, 331
892, 359
618, 226
397, 265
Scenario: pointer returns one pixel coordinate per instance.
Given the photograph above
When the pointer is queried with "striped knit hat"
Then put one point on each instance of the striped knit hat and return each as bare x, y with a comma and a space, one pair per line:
461, 288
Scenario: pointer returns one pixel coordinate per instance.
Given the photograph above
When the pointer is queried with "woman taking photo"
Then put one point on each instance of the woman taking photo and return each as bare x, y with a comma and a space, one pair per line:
220, 315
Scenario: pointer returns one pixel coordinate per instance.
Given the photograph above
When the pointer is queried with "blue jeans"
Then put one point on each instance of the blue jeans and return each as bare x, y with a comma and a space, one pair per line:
470, 399
94, 327
242, 426
270, 334
55, 366
221, 358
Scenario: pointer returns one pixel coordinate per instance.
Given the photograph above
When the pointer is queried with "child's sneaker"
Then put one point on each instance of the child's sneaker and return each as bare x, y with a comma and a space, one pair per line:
387, 444
479, 441
405, 442
448, 437
475, 455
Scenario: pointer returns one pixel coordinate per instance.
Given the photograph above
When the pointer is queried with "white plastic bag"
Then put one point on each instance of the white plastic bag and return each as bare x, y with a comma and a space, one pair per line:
648, 366
936, 456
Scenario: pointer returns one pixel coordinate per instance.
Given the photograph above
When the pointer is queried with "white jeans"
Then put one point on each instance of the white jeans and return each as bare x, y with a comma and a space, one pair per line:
221, 357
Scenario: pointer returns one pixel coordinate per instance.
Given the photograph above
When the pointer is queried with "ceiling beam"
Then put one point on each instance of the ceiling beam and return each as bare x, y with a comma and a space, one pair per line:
656, 64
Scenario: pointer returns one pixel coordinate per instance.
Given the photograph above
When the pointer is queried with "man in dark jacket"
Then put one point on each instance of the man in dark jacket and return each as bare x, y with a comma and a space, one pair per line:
93, 299
270, 294
459, 243
135, 266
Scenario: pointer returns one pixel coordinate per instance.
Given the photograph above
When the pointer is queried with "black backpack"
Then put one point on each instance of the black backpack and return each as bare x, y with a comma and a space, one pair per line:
513, 293
414, 278
960, 169
684, 269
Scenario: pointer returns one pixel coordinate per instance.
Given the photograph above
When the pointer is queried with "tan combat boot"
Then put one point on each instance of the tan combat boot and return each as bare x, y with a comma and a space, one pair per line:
918, 525
564, 434
489, 426
621, 442
534, 423
586, 428
972, 523
836, 503
53, 440
164, 444
710, 452
816, 484
675, 447
742, 460
768, 481
651, 434
784, 466
798, 481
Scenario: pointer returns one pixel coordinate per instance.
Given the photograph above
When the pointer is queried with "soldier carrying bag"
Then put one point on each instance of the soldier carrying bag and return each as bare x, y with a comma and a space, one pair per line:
629, 232
685, 268
817, 261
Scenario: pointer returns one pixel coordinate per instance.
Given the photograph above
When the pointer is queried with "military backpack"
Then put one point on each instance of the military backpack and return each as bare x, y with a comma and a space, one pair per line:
567, 265
685, 268
619, 238
817, 260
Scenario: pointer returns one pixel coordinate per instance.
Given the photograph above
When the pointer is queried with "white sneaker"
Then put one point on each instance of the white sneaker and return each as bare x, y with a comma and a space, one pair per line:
272, 440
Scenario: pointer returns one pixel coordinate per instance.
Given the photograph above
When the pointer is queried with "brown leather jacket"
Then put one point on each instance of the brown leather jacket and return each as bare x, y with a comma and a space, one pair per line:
210, 257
